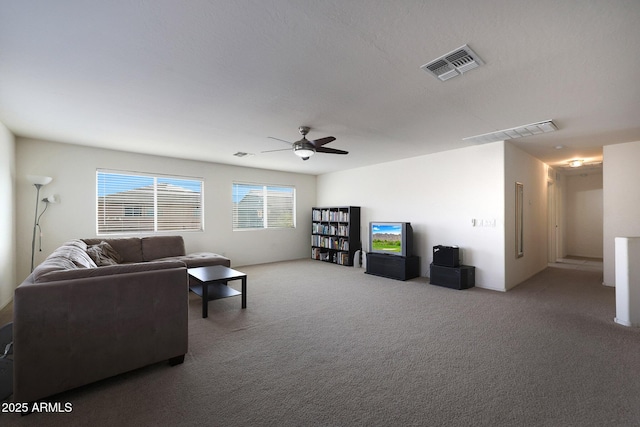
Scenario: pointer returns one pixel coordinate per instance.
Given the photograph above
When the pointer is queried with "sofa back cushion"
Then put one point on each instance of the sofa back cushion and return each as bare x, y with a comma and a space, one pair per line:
155, 247
129, 248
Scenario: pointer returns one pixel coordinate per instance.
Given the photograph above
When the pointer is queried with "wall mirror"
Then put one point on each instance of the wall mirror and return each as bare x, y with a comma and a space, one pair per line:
519, 219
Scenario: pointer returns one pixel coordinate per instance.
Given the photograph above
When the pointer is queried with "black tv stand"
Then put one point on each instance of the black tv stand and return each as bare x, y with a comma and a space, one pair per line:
393, 266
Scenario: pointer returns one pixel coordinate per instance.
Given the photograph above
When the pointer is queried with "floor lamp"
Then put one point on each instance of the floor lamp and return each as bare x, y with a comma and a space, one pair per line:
38, 182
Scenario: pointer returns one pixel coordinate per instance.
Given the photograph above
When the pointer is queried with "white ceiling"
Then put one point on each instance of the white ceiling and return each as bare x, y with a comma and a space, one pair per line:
205, 79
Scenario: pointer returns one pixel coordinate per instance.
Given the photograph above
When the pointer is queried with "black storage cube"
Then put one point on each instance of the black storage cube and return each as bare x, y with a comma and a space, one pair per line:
446, 256
463, 277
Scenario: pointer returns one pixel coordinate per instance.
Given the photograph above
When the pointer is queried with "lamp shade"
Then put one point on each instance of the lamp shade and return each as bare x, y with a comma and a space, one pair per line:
51, 199
39, 180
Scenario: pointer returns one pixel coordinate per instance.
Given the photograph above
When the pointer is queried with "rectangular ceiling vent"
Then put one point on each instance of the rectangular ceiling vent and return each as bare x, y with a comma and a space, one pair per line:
517, 132
453, 63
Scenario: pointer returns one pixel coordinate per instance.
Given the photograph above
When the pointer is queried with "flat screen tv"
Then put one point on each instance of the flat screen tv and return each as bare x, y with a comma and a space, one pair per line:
391, 238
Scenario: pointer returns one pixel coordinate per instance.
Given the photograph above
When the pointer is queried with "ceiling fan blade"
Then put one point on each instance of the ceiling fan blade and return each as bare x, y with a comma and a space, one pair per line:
281, 140
322, 141
281, 149
330, 150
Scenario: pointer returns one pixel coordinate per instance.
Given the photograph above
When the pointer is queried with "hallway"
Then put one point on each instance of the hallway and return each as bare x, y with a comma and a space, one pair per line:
578, 263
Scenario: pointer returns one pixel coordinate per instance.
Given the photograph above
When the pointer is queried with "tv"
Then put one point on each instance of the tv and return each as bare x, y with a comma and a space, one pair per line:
391, 238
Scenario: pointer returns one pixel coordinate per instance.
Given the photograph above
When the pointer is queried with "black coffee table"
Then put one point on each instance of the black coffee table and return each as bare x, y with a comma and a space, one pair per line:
211, 283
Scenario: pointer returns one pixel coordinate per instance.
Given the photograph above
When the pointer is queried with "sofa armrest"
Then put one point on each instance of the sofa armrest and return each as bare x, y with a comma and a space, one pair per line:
73, 332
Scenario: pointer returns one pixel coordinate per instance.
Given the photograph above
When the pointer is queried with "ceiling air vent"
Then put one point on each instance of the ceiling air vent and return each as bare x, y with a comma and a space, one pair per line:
241, 154
442, 69
453, 63
517, 132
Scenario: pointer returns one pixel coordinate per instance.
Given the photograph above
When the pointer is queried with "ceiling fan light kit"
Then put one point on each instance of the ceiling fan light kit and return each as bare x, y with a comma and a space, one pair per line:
302, 151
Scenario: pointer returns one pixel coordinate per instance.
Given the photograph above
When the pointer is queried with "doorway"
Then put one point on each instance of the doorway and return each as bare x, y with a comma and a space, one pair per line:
575, 218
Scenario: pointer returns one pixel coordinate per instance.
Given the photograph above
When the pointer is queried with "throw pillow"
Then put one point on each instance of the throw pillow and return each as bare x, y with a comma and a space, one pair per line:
104, 254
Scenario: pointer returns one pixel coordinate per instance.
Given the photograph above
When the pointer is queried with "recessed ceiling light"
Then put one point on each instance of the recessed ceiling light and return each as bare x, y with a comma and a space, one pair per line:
559, 147
517, 132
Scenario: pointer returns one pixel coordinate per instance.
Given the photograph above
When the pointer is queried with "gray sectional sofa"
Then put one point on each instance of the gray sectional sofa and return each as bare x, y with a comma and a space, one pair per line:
96, 308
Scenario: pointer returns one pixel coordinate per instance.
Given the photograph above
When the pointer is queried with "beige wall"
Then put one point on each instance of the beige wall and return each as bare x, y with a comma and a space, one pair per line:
532, 173
73, 169
7, 217
439, 194
584, 220
621, 200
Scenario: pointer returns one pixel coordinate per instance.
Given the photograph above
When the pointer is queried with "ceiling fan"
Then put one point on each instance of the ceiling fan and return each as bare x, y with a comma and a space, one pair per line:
305, 148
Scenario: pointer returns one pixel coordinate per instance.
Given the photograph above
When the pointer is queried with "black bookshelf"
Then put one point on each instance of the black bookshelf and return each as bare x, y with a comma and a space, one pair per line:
335, 234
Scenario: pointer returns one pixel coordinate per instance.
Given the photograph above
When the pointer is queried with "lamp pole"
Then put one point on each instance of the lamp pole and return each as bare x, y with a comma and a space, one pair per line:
35, 225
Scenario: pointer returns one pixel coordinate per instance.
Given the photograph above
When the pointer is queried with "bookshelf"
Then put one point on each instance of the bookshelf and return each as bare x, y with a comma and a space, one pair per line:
335, 234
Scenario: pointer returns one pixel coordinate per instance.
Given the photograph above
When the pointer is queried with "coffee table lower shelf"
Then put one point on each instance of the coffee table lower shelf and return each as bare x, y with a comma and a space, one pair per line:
215, 291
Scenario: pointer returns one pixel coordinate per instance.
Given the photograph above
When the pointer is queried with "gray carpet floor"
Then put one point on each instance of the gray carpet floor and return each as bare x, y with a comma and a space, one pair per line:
328, 345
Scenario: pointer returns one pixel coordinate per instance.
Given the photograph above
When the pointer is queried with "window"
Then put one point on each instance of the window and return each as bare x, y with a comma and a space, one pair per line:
128, 203
258, 206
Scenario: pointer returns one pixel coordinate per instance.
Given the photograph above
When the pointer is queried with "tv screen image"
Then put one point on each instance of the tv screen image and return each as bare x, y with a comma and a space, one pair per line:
386, 238
391, 238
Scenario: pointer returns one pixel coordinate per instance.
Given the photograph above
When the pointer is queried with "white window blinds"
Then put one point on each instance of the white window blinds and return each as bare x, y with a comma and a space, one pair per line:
258, 206
128, 203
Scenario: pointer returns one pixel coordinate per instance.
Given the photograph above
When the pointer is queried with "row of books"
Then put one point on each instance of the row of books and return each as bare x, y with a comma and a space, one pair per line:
330, 215
341, 258
332, 230
330, 242
316, 253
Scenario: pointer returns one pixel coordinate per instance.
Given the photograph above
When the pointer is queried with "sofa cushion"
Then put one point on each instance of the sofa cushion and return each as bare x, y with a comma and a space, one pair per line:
201, 259
155, 247
103, 254
129, 248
